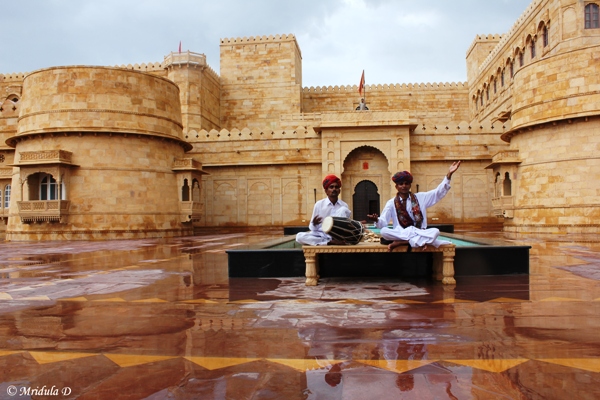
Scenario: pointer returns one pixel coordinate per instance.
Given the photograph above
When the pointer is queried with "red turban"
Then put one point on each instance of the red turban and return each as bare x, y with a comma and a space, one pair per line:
403, 176
329, 179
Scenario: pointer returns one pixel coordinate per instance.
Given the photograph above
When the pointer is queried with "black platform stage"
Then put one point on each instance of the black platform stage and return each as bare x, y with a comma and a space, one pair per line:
284, 258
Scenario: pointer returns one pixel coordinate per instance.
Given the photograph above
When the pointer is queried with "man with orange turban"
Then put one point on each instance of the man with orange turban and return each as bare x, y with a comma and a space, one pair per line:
408, 212
332, 206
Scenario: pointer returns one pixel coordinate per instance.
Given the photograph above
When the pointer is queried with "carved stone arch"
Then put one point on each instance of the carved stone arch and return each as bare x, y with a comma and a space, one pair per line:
14, 97
345, 156
528, 40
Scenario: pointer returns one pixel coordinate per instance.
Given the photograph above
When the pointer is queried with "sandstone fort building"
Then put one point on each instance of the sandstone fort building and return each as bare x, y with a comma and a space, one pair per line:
159, 149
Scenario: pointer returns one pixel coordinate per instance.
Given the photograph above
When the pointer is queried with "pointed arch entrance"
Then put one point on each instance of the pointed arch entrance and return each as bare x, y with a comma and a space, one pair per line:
366, 200
365, 175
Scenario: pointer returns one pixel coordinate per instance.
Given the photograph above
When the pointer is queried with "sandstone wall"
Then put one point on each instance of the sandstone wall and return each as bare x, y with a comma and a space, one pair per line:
436, 103
122, 187
98, 99
260, 80
558, 181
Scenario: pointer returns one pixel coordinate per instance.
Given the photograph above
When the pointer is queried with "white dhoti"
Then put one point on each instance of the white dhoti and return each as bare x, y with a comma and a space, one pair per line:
416, 237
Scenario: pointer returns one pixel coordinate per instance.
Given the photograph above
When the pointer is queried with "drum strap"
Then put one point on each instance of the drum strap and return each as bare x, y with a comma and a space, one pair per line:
403, 216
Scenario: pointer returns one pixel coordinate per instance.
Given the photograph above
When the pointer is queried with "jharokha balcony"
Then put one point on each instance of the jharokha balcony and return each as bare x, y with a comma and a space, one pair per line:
190, 211
503, 206
43, 210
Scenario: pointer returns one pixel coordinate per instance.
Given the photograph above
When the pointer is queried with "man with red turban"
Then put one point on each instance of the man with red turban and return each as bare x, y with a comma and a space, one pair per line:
332, 206
408, 212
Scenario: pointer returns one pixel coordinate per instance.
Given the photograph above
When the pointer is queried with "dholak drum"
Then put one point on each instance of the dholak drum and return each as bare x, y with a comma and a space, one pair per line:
344, 229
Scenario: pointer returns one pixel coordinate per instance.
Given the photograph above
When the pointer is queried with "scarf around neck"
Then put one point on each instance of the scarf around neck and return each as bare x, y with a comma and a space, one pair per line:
403, 216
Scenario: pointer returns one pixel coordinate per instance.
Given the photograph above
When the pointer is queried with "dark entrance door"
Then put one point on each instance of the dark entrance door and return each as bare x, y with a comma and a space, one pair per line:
365, 200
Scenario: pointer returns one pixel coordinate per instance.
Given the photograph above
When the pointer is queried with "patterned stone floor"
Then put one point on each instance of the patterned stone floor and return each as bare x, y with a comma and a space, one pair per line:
160, 319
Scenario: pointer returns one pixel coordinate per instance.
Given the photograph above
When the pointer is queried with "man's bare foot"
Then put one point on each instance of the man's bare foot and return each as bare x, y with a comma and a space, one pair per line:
395, 244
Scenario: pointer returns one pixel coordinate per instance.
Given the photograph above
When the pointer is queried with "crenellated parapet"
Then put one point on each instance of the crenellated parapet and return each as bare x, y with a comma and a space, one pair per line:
13, 77
518, 25
156, 66
484, 38
224, 135
463, 128
258, 39
385, 87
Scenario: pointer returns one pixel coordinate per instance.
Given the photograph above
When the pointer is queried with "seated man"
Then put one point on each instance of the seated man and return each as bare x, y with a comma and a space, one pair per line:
408, 212
329, 206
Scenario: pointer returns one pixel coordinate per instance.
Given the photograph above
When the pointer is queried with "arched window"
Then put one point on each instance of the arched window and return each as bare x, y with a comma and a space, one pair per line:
512, 69
521, 59
502, 79
591, 16
6, 196
48, 188
507, 189
532, 49
495, 86
185, 191
545, 35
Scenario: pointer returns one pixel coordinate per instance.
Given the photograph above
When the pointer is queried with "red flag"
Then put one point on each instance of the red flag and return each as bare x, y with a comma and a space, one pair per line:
180, 46
361, 85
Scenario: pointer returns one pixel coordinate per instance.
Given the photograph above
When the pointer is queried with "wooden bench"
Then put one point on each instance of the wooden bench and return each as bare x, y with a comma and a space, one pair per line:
443, 258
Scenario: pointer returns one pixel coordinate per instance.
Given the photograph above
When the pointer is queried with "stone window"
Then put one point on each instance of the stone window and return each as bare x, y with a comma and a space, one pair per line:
6, 196
43, 186
545, 36
591, 16
495, 86
512, 69
532, 49
521, 59
185, 191
507, 190
502, 78
48, 188
487, 94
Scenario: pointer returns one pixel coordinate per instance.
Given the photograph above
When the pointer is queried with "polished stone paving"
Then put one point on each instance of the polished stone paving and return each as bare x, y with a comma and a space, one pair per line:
160, 319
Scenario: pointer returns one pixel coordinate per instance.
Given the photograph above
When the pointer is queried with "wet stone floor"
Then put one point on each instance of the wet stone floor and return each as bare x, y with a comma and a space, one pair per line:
160, 319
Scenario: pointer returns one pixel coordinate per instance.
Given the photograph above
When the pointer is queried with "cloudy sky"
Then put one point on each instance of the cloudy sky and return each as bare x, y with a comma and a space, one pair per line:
394, 41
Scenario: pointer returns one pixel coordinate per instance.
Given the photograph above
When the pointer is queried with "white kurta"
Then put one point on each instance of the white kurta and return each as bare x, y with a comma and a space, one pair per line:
415, 237
323, 208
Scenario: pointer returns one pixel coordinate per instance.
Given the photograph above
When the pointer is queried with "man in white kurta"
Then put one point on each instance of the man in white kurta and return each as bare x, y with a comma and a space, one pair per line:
415, 230
331, 206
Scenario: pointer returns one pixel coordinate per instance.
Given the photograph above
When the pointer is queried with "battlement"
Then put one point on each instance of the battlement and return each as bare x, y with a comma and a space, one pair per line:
386, 87
462, 128
13, 77
510, 34
258, 39
224, 135
156, 66
482, 39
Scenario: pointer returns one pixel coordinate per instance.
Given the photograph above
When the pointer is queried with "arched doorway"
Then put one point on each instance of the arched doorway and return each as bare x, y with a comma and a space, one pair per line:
365, 200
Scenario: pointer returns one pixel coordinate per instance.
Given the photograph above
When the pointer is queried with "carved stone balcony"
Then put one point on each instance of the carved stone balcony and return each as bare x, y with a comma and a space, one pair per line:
503, 206
190, 211
43, 210
185, 58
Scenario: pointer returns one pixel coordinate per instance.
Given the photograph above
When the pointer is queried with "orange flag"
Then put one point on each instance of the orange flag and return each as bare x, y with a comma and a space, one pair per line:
361, 85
